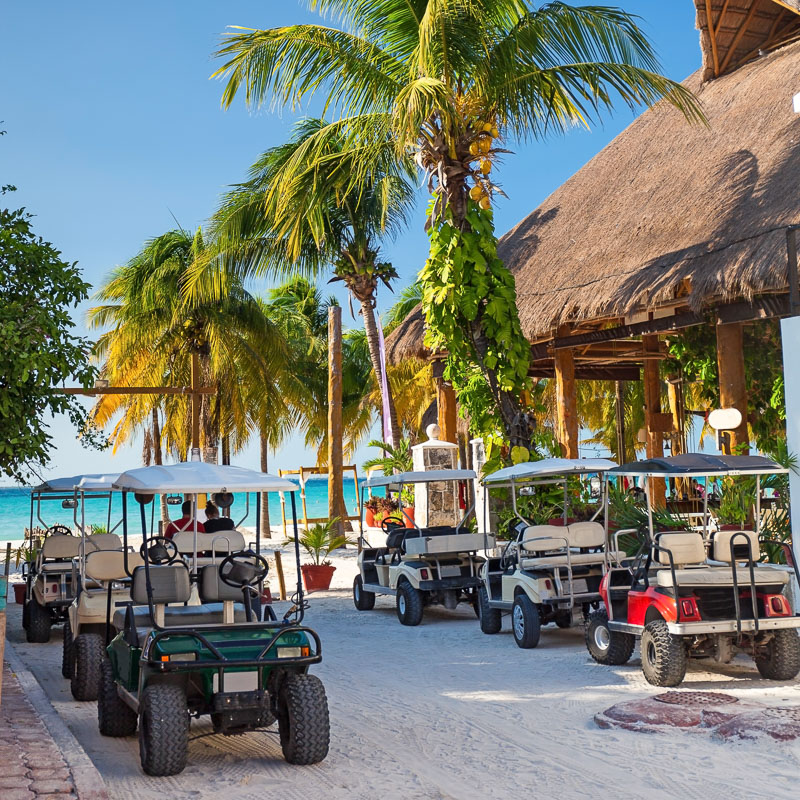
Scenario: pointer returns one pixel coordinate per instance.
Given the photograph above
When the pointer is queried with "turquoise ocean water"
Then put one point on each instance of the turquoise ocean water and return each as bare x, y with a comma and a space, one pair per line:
15, 508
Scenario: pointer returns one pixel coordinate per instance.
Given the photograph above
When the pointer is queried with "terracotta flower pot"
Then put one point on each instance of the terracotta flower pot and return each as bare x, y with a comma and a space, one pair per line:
19, 592
409, 512
369, 517
317, 577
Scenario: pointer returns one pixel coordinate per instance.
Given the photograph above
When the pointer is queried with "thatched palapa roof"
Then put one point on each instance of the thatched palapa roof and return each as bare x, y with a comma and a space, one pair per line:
671, 213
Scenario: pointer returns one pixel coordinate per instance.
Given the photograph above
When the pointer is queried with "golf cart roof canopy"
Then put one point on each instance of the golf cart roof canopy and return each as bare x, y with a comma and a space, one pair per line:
194, 477
393, 481
89, 483
702, 464
549, 466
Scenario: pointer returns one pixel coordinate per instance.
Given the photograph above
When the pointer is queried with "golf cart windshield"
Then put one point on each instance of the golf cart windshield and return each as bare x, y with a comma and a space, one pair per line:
97, 485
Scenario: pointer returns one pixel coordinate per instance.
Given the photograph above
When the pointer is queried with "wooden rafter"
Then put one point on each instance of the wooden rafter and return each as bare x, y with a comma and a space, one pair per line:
738, 37
787, 6
712, 34
718, 26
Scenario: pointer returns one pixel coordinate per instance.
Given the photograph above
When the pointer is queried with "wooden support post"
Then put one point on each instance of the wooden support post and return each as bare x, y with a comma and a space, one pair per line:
279, 570
732, 382
652, 414
195, 401
266, 530
447, 412
335, 478
619, 408
566, 400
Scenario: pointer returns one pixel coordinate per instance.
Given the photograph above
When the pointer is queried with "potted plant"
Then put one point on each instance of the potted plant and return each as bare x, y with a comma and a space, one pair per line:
26, 553
319, 541
394, 459
387, 507
370, 509
407, 496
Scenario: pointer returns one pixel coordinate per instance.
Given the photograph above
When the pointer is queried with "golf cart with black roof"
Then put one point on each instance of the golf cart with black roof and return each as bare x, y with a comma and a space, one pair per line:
419, 566
225, 658
544, 571
697, 593
49, 580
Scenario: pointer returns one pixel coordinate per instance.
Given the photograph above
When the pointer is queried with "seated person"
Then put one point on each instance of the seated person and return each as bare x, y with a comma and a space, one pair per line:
216, 523
185, 523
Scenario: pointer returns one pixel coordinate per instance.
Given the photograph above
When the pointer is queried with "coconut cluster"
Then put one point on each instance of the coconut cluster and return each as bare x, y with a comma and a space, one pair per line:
480, 148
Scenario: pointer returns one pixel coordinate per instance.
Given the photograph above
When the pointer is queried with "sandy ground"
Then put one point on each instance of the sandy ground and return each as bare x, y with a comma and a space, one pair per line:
442, 711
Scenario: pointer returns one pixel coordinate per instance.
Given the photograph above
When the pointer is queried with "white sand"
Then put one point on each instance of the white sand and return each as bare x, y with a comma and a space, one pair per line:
443, 711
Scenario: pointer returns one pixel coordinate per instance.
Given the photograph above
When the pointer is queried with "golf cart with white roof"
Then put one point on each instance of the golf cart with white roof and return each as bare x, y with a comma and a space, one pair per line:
544, 571
49, 580
225, 658
419, 566
697, 593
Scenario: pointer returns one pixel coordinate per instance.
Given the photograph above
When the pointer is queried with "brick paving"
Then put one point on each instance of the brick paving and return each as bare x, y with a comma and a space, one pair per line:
31, 764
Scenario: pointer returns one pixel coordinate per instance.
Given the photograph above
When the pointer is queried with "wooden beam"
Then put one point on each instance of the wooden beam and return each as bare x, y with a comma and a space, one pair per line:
652, 413
736, 39
787, 6
732, 382
447, 415
566, 402
619, 408
335, 474
590, 372
713, 37
195, 401
137, 390
718, 26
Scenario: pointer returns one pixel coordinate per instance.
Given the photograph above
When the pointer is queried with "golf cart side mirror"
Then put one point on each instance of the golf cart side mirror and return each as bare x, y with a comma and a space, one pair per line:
174, 499
70, 503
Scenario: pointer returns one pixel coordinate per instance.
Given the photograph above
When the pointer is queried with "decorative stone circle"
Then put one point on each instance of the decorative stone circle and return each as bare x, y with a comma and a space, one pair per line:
695, 698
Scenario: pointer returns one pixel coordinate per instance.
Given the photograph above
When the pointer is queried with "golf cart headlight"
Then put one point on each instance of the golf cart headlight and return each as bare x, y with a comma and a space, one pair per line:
293, 652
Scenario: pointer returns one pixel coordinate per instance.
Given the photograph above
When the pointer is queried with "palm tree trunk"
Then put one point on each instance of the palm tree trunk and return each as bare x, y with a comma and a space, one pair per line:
158, 459
266, 531
371, 327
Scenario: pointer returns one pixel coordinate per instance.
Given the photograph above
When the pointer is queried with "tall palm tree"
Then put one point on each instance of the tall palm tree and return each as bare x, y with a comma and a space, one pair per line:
298, 214
153, 333
446, 82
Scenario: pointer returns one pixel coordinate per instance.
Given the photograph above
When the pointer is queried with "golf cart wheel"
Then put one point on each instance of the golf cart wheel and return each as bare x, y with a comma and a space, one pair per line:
525, 622
66, 652
563, 619
663, 655
163, 730
490, 618
303, 721
363, 601
114, 717
39, 622
26, 615
605, 646
88, 653
409, 604
779, 659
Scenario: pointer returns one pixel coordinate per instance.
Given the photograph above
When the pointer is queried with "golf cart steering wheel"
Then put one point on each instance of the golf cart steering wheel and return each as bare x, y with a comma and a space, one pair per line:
246, 569
388, 524
59, 530
159, 550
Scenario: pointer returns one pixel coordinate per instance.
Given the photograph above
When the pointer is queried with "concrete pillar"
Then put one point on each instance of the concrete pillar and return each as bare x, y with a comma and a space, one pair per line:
732, 382
435, 503
481, 510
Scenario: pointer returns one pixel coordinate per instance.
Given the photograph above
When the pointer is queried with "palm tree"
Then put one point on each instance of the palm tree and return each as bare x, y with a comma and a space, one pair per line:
153, 335
445, 81
297, 214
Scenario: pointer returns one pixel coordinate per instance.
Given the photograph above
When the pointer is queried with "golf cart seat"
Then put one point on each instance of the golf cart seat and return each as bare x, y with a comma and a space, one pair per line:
102, 568
745, 545
396, 539
560, 546
706, 575
103, 541
219, 543
170, 584
57, 552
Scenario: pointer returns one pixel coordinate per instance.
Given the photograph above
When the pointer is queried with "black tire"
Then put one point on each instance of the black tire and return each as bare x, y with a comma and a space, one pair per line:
66, 651
114, 717
563, 619
664, 656
303, 721
363, 601
26, 614
88, 652
491, 619
409, 604
39, 623
779, 659
605, 646
163, 730
525, 622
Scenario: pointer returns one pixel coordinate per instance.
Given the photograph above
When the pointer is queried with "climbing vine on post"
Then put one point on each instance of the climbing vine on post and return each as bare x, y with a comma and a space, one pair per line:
469, 301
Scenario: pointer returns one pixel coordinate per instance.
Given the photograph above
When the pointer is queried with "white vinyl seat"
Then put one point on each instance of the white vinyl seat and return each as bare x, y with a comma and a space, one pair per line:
745, 545
218, 544
551, 542
721, 576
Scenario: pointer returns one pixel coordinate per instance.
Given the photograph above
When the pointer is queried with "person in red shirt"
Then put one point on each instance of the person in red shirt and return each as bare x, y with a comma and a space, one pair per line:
185, 523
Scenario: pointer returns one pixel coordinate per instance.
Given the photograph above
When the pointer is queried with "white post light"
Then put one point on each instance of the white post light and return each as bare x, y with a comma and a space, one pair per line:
723, 421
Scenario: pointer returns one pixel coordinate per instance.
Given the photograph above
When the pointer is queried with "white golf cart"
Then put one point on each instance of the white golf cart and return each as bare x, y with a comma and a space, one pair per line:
545, 571
420, 566
50, 584
699, 592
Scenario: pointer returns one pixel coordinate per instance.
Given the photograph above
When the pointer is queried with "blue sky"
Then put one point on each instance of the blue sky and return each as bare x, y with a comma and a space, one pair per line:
114, 127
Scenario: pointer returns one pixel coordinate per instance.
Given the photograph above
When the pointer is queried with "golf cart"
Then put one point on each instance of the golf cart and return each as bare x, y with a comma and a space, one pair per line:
49, 579
225, 658
419, 566
544, 571
697, 593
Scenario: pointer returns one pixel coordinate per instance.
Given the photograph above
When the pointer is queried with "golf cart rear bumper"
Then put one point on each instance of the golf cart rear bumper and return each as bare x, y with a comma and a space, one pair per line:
730, 626
456, 582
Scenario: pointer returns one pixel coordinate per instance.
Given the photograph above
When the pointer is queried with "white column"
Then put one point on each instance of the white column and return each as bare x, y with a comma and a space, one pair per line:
481, 510
435, 503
